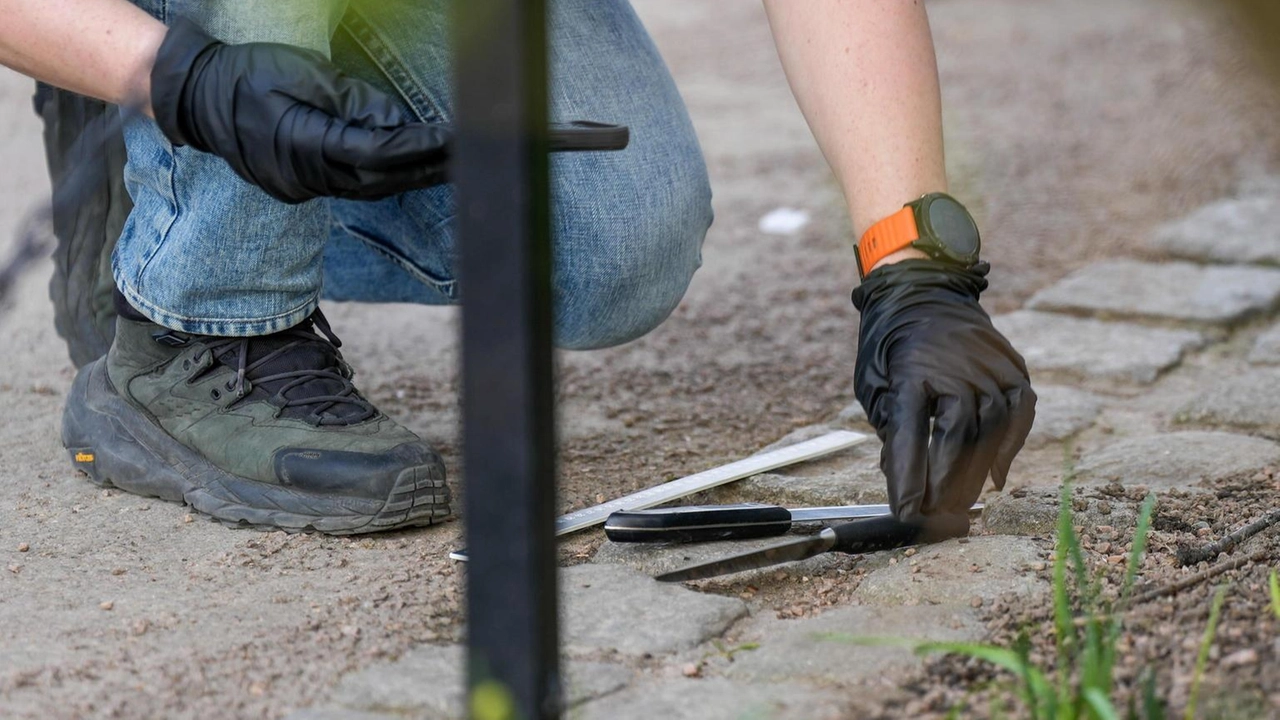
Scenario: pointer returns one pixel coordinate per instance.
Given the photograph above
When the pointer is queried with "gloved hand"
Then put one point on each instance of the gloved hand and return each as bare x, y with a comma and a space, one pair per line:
928, 352
288, 121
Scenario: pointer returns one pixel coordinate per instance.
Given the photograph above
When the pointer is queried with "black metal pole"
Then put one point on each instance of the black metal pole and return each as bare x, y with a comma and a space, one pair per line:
500, 175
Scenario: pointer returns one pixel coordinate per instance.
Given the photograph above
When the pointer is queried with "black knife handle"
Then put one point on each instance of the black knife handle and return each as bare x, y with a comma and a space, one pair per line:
882, 533
700, 523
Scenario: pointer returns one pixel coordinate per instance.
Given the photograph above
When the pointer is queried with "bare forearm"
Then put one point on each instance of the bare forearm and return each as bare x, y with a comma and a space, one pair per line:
100, 48
865, 76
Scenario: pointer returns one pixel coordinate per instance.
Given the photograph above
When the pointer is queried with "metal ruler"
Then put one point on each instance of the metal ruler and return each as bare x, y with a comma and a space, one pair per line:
688, 485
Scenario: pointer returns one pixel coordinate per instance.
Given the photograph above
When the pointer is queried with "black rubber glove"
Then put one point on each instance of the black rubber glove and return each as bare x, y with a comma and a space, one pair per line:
947, 394
288, 121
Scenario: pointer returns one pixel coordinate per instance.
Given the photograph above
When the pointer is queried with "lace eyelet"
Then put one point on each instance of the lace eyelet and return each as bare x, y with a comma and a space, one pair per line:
215, 394
230, 386
186, 364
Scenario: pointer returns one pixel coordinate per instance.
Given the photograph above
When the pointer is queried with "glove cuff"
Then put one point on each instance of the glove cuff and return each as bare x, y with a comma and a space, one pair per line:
921, 274
175, 61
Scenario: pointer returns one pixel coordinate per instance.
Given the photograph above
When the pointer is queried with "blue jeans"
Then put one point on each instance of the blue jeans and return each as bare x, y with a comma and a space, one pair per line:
205, 252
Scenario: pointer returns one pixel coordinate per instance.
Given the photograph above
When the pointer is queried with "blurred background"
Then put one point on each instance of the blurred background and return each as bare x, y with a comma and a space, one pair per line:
1073, 128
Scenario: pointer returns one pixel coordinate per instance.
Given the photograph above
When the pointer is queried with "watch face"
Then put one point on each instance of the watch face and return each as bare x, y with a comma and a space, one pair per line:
953, 226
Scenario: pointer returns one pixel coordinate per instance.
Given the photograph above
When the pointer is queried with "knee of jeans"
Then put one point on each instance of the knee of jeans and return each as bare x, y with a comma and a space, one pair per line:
624, 272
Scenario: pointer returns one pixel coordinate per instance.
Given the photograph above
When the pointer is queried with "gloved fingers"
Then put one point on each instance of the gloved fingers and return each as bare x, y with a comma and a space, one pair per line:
1021, 404
309, 78
951, 448
415, 143
330, 158
904, 457
357, 102
966, 440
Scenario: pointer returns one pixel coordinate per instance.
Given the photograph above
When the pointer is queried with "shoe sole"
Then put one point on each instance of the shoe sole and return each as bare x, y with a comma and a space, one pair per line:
117, 445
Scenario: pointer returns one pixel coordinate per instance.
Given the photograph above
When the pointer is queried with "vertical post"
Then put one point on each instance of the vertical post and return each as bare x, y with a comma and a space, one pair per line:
500, 174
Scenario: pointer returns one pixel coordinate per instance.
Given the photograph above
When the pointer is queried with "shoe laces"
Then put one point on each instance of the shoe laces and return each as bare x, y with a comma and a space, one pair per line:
298, 370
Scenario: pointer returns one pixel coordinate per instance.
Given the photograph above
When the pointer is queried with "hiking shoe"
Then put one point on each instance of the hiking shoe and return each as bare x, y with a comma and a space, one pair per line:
265, 432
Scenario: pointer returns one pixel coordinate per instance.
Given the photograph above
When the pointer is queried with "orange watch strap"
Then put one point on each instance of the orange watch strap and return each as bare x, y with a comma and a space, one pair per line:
886, 237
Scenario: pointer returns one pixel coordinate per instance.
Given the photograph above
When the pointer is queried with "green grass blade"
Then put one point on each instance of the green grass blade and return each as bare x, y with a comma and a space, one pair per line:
1275, 593
1152, 706
1203, 657
1139, 548
1100, 704
1036, 689
1064, 629
1136, 554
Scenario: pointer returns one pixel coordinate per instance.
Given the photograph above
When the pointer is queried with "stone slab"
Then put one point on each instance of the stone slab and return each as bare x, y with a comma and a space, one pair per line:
1233, 230
716, 699
1034, 512
945, 574
1266, 347
428, 682
1180, 460
609, 607
1060, 413
1086, 349
1177, 291
792, 650
1248, 400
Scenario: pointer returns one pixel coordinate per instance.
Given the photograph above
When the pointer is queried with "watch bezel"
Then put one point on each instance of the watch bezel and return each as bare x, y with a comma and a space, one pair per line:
931, 243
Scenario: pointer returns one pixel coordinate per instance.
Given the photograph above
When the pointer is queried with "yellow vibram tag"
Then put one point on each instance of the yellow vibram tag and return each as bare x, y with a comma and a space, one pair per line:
84, 457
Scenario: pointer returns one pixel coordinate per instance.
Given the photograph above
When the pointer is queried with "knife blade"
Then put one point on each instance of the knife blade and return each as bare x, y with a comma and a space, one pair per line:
858, 536
705, 523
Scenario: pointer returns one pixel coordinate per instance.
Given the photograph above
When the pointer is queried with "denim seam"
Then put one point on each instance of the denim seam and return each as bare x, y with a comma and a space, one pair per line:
448, 288
391, 65
172, 199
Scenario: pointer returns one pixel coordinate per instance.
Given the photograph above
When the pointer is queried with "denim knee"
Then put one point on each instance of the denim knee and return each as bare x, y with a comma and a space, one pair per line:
626, 282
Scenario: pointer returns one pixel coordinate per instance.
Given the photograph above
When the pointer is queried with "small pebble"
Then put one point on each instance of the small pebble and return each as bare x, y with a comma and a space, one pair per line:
14, 569
1116, 559
691, 670
1103, 547
1247, 656
117, 571
187, 518
1037, 566
909, 552
23, 547
141, 627
107, 605
976, 602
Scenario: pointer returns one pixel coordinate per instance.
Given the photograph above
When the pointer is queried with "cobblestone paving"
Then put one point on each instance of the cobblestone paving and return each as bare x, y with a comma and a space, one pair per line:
1113, 338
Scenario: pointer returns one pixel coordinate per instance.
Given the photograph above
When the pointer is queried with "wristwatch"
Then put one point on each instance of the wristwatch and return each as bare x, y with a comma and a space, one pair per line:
936, 224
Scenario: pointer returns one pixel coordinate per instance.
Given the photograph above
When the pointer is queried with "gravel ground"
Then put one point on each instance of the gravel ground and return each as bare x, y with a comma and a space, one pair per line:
1073, 129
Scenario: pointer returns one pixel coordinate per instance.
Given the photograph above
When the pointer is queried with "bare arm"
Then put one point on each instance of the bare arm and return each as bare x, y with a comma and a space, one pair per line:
865, 76
101, 48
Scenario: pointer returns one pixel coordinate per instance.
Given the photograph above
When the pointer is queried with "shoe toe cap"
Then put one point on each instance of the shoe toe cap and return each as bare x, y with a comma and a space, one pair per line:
354, 474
